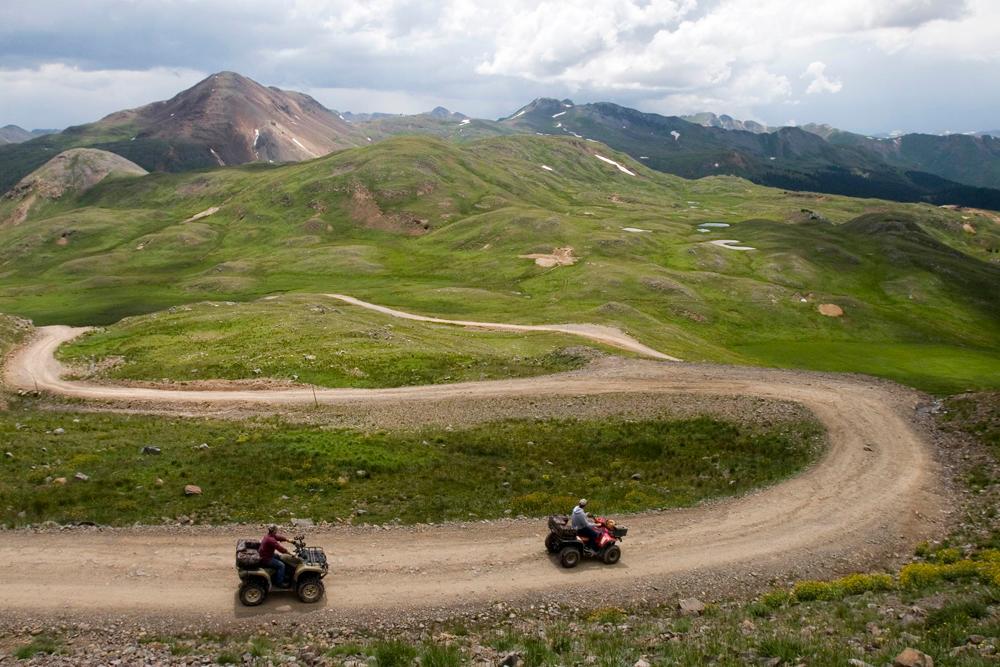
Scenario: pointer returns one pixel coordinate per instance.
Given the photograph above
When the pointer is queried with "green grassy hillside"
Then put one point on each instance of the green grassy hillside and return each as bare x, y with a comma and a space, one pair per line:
316, 340
439, 228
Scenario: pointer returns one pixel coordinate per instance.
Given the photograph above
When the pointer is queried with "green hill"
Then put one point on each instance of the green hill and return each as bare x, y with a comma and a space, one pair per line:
442, 228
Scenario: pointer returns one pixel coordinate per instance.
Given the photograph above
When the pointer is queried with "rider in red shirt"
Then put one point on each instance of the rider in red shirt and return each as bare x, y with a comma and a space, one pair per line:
268, 546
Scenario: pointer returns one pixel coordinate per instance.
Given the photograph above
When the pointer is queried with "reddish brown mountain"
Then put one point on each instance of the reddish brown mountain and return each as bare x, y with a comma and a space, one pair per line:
237, 120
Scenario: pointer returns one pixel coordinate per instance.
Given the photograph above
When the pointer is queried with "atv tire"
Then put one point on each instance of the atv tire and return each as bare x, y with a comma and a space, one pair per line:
552, 543
569, 557
310, 590
612, 555
252, 593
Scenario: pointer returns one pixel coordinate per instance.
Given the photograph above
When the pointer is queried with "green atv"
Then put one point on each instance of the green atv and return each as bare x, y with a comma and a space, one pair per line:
308, 567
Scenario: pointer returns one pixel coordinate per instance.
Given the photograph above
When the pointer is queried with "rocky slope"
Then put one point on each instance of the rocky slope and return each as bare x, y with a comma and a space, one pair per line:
226, 119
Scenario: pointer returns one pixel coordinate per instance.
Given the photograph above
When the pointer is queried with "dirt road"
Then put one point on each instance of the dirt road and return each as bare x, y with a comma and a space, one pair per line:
872, 495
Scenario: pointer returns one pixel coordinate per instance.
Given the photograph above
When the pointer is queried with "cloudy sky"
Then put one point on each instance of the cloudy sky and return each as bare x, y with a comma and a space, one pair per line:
864, 65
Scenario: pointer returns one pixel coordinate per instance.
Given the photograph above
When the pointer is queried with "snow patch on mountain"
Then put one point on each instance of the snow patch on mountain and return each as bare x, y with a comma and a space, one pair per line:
622, 168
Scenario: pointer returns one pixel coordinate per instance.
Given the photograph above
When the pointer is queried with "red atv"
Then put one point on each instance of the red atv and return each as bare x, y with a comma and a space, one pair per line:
563, 540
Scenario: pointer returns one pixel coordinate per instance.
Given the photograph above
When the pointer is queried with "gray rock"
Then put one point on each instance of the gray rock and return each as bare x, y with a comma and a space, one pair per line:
361, 473
59, 431
691, 606
636, 476
81, 476
512, 660
641, 662
303, 523
149, 449
9, 455
854, 662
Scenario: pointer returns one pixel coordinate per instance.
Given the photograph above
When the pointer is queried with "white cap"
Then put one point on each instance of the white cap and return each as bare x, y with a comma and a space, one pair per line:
583, 502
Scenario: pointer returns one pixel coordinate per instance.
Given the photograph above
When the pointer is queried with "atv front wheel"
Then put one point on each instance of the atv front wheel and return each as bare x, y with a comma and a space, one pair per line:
552, 543
252, 593
612, 555
569, 557
310, 590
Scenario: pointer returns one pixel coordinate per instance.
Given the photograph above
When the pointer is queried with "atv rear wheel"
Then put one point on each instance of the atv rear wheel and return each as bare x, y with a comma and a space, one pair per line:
552, 543
310, 590
612, 555
252, 593
569, 557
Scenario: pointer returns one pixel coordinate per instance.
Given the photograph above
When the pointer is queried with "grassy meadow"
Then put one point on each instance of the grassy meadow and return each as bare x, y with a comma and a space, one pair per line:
507, 468
316, 340
439, 228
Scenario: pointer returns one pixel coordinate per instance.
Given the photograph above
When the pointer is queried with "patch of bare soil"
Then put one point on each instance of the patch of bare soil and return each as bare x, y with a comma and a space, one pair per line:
365, 210
558, 257
830, 310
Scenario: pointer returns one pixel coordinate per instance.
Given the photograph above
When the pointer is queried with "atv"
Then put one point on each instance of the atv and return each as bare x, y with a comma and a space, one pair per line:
563, 540
308, 567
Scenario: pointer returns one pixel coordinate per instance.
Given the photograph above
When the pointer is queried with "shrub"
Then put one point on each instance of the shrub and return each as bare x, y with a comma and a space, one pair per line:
856, 584
805, 591
950, 555
40, 644
606, 615
776, 598
438, 655
393, 654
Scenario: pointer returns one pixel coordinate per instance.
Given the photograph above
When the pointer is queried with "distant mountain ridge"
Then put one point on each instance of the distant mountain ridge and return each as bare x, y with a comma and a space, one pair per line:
12, 134
228, 119
787, 157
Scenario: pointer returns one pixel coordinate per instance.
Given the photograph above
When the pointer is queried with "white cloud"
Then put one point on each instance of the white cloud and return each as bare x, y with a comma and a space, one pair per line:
41, 97
820, 82
479, 56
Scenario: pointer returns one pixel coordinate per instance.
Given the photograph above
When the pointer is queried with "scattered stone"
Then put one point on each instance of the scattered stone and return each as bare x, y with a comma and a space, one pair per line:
636, 476
691, 606
309, 357
362, 473
303, 523
159, 482
59, 431
149, 449
59, 481
641, 662
512, 660
854, 662
911, 657
192, 490
9, 455
81, 476
203, 445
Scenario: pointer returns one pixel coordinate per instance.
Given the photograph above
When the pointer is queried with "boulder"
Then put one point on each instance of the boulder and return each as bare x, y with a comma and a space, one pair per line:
911, 657
691, 606
192, 490
81, 477
149, 449
512, 660
59, 431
